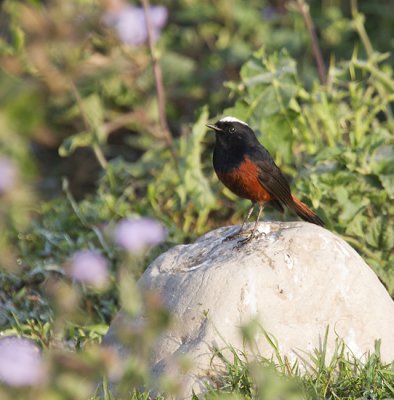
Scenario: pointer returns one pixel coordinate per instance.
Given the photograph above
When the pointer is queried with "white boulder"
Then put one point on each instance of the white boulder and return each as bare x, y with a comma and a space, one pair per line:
295, 278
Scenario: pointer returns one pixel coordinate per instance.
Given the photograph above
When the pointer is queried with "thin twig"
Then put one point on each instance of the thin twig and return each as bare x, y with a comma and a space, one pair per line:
119, 122
82, 219
122, 120
304, 10
161, 100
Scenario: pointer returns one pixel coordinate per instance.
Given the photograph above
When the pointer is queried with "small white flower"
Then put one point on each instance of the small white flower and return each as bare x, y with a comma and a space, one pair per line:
21, 363
89, 267
130, 24
8, 174
134, 235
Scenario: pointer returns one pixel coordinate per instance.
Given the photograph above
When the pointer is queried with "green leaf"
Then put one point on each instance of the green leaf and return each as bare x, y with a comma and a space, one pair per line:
271, 84
388, 183
374, 232
82, 139
93, 109
194, 181
93, 113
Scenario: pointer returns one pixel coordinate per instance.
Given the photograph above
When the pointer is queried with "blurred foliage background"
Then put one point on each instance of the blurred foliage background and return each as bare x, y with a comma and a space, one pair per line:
82, 146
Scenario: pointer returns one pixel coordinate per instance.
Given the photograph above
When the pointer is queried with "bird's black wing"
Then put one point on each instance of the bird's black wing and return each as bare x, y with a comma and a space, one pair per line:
270, 176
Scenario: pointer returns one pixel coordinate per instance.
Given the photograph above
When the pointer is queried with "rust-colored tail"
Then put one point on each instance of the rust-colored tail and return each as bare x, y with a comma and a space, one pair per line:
304, 212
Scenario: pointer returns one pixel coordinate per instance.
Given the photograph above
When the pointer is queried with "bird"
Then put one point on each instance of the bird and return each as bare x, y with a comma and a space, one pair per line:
246, 167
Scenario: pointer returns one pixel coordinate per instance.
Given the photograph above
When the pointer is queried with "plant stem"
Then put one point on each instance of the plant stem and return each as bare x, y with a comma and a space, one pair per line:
359, 24
304, 10
362, 249
82, 219
96, 148
371, 65
161, 101
98, 152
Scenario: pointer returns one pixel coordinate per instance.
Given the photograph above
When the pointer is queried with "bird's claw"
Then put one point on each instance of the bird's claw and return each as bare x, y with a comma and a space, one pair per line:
247, 239
243, 241
232, 236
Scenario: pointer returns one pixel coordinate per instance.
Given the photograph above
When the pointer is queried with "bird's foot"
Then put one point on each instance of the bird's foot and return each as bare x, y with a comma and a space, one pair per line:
247, 239
233, 236
243, 241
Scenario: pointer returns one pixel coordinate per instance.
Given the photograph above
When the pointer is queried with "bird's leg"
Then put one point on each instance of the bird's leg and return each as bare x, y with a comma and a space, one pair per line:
241, 242
236, 234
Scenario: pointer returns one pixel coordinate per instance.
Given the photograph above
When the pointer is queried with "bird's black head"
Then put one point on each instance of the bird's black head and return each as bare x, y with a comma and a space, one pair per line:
232, 132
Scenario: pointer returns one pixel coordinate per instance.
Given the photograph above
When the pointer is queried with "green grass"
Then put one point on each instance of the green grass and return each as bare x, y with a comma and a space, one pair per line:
342, 376
317, 376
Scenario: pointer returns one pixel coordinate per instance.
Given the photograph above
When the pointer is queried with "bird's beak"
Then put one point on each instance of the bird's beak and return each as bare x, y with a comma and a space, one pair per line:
215, 128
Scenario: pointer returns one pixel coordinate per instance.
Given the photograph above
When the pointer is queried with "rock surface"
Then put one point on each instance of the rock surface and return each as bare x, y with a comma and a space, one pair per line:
295, 278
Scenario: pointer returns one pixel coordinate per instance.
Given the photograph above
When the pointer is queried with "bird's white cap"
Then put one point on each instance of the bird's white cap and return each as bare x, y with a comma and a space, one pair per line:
232, 119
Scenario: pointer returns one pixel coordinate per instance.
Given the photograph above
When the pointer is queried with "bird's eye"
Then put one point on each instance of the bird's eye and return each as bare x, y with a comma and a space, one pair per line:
232, 130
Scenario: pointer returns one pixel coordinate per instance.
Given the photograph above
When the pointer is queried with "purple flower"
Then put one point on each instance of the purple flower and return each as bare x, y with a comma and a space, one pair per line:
130, 24
8, 174
21, 363
134, 235
270, 13
89, 267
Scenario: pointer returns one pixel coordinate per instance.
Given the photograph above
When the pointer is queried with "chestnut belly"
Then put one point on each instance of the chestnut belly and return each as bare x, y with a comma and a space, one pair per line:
243, 181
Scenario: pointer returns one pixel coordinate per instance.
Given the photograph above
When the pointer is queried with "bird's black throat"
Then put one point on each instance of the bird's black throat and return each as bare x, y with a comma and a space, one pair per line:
230, 150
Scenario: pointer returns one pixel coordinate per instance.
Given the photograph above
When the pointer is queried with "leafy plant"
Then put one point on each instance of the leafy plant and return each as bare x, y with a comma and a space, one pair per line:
69, 85
335, 140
